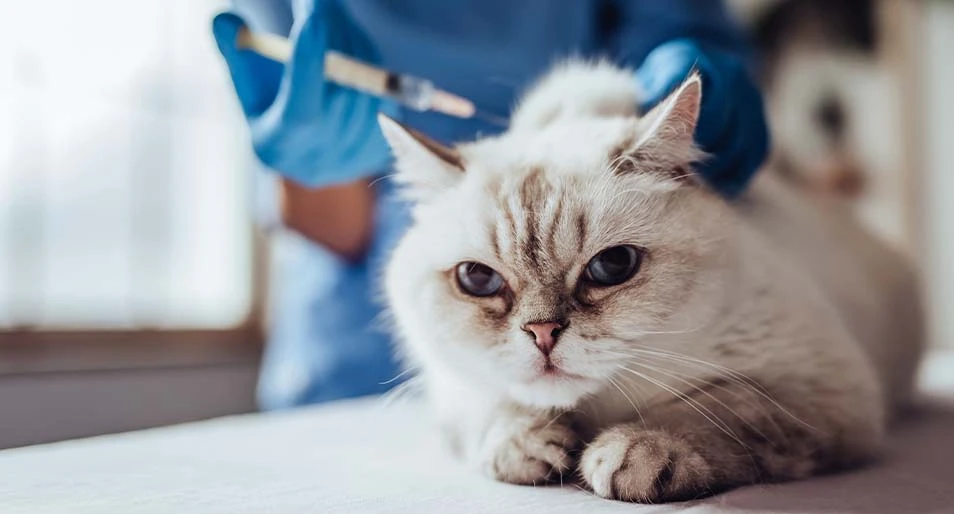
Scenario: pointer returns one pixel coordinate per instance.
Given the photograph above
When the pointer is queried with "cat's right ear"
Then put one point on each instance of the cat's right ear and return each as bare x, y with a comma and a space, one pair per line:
425, 166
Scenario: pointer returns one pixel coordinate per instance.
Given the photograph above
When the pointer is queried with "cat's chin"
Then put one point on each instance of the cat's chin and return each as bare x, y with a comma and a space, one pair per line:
554, 390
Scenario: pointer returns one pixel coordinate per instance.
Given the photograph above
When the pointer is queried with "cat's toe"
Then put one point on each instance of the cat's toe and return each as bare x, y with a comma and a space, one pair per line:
644, 466
535, 455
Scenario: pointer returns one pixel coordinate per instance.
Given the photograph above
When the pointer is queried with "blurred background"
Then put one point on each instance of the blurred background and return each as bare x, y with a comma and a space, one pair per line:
132, 276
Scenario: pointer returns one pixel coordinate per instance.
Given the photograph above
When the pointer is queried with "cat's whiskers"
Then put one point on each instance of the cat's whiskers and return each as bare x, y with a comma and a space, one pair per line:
681, 356
681, 378
684, 176
579, 472
692, 403
618, 161
402, 391
382, 177
736, 377
741, 377
747, 399
642, 353
642, 333
628, 398
398, 376
778, 430
728, 373
555, 417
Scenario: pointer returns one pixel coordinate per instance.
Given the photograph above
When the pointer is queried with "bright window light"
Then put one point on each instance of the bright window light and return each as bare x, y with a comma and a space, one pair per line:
124, 169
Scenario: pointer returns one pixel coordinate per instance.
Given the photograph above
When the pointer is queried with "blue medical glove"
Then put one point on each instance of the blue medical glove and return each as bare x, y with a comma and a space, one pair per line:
731, 128
305, 128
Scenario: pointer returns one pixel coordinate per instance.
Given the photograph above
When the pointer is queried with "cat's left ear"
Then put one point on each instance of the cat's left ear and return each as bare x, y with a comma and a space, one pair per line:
664, 136
674, 120
425, 166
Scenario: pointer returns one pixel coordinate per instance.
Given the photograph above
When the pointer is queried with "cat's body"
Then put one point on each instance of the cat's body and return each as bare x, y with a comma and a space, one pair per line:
765, 339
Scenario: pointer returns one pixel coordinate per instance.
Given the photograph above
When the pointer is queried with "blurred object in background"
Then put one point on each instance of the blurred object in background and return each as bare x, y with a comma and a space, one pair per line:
833, 101
859, 100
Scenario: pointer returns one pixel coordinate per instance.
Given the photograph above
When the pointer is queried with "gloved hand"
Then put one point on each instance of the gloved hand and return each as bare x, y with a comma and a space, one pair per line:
305, 128
731, 128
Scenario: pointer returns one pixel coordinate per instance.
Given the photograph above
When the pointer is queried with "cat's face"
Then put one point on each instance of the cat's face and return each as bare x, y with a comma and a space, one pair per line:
538, 260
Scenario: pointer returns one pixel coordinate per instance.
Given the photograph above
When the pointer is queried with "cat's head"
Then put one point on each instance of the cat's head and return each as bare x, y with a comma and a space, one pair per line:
538, 260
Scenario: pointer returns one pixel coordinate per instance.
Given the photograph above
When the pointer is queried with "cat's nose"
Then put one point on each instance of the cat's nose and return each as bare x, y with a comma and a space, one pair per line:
545, 334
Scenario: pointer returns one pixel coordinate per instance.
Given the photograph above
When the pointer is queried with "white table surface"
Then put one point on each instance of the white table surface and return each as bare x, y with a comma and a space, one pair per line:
361, 456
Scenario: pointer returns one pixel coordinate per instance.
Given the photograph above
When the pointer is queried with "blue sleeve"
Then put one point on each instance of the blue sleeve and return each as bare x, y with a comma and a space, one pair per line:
636, 27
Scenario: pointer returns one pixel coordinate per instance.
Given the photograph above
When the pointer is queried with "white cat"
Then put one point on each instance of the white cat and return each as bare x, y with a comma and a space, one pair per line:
575, 300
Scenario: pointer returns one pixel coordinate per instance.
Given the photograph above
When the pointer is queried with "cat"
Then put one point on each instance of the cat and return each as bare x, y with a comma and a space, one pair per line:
577, 302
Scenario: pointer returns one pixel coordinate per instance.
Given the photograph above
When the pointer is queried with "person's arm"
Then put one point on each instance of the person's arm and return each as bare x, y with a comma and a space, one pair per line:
338, 217
664, 42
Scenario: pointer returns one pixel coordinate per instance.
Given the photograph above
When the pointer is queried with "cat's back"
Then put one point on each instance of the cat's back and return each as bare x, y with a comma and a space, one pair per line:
872, 286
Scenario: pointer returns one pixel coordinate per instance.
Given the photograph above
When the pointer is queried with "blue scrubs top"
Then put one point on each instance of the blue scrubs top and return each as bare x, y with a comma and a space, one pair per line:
328, 336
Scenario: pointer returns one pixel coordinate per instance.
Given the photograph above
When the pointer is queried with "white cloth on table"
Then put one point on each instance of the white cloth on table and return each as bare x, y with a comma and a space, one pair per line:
363, 456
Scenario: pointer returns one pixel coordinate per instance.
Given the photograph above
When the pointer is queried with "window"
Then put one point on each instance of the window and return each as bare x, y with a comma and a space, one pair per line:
124, 185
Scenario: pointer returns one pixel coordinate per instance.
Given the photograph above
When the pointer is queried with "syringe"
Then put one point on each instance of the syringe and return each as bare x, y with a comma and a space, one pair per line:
414, 92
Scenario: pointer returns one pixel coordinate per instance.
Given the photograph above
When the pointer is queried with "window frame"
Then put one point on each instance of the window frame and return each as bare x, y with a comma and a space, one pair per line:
39, 350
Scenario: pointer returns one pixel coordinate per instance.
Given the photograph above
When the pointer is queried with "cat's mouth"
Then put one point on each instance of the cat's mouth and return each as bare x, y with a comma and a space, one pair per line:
547, 383
550, 371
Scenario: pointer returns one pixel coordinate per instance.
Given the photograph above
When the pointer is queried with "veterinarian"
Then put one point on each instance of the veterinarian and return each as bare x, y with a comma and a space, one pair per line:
325, 163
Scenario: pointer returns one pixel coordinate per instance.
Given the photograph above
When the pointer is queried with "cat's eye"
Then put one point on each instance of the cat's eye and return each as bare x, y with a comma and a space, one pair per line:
613, 266
477, 279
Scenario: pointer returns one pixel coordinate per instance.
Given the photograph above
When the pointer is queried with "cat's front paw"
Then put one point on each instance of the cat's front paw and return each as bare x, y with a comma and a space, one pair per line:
529, 450
633, 464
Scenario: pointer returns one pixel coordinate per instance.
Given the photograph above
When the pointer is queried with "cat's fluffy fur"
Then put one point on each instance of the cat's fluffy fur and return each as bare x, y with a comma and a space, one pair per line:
763, 339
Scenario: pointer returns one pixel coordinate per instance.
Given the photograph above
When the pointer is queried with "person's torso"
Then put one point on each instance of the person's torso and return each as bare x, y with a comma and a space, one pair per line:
486, 51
